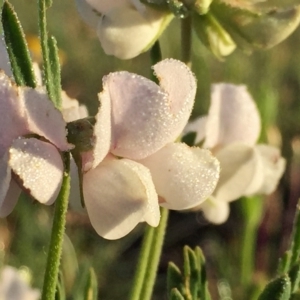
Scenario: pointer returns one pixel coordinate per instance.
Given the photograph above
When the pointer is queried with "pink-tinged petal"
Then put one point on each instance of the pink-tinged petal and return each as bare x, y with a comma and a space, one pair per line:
105, 6
184, 177
10, 200
215, 211
102, 134
5, 177
43, 118
198, 126
273, 167
12, 121
146, 117
4, 60
71, 109
125, 32
118, 195
241, 172
233, 117
38, 167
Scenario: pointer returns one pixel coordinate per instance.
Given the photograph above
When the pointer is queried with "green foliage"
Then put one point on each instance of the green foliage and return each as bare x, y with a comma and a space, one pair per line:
17, 48
191, 284
278, 289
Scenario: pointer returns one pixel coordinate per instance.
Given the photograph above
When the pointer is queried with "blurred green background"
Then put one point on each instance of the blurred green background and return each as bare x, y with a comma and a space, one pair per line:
273, 78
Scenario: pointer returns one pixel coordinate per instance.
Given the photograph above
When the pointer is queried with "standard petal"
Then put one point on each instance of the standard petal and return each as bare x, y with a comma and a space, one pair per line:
144, 116
5, 177
88, 13
198, 126
12, 121
43, 118
39, 168
11, 199
215, 211
71, 110
184, 177
241, 172
233, 117
118, 195
273, 167
125, 33
101, 135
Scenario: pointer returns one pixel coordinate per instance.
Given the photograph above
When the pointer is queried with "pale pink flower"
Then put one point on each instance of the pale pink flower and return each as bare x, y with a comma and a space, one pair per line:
135, 160
14, 285
32, 131
231, 130
125, 28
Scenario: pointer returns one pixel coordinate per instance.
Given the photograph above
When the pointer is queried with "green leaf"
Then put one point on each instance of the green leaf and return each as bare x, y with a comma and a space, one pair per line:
174, 278
284, 262
60, 288
194, 280
278, 289
295, 245
294, 275
17, 48
55, 72
203, 290
175, 295
91, 288
256, 29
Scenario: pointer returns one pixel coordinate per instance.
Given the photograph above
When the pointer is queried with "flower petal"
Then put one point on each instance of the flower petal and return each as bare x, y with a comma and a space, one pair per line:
215, 211
184, 177
5, 177
241, 172
39, 167
88, 13
11, 199
43, 118
118, 195
232, 117
71, 109
144, 116
125, 33
102, 134
12, 121
273, 166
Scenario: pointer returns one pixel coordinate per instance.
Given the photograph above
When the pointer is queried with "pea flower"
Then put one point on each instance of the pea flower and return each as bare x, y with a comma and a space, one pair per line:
231, 130
134, 165
14, 286
26, 161
125, 28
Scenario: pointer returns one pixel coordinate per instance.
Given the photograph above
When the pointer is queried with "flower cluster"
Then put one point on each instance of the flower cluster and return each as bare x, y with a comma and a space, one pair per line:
134, 165
231, 130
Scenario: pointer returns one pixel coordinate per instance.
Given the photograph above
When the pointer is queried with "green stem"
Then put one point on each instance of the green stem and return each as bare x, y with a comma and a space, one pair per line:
57, 235
149, 259
186, 40
142, 264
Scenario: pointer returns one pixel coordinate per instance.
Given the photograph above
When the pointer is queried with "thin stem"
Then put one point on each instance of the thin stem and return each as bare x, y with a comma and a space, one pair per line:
155, 253
142, 264
149, 259
57, 235
186, 40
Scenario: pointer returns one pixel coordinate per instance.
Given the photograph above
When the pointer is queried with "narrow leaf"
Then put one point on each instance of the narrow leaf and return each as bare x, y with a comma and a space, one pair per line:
55, 72
174, 278
295, 246
294, 275
17, 48
175, 295
284, 262
194, 280
278, 289
91, 288
60, 288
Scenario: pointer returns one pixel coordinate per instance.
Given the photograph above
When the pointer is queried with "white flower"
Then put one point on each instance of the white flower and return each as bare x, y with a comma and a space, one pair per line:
125, 28
231, 130
135, 161
32, 163
14, 286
